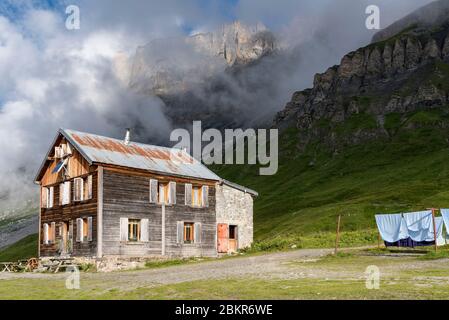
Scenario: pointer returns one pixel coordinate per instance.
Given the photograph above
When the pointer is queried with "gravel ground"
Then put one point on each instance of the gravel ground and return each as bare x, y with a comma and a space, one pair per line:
303, 263
262, 266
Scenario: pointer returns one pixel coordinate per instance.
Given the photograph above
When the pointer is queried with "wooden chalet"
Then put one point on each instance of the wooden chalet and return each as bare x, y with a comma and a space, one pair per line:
107, 197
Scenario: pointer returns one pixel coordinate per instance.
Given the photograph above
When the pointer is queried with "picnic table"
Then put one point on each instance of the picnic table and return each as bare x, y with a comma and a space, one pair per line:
7, 266
59, 263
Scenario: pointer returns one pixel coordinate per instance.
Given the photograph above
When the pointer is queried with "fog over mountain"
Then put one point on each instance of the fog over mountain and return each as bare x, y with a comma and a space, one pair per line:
84, 79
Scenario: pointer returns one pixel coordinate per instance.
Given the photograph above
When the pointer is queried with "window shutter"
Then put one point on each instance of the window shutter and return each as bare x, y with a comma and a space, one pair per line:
78, 192
45, 233
81, 189
44, 197
79, 230
153, 191
89, 230
144, 232
57, 152
61, 193
53, 232
71, 232
197, 232
89, 187
188, 194
47, 197
179, 232
205, 196
51, 197
66, 197
172, 193
123, 229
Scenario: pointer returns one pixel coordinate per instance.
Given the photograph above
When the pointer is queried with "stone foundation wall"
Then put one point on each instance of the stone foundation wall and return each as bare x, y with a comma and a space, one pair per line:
235, 207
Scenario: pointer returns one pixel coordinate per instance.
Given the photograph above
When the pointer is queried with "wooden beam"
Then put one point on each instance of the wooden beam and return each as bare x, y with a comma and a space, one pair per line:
100, 212
163, 230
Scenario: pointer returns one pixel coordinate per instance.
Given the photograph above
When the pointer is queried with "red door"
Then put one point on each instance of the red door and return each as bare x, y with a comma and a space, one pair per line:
222, 238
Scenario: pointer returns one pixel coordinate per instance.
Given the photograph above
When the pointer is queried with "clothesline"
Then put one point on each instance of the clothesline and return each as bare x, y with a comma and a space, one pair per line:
412, 228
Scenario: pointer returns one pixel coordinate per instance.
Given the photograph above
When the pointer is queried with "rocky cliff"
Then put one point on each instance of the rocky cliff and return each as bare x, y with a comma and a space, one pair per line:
375, 90
169, 66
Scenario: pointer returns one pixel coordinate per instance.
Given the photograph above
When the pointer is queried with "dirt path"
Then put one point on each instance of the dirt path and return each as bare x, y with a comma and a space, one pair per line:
299, 264
272, 265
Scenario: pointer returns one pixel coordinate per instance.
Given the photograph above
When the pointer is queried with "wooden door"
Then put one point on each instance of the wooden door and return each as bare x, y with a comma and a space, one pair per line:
233, 238
222, 238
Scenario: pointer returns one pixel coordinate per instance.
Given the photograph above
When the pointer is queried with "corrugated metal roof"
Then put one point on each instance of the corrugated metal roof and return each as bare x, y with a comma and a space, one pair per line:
100, 149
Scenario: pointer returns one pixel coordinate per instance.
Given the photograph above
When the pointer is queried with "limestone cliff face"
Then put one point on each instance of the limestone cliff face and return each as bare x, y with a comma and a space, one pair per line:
168, 66
353, 102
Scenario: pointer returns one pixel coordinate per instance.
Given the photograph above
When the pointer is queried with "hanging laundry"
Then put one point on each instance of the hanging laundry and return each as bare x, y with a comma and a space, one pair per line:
419, 225
441, 238
392, 227
416, 229
445, 215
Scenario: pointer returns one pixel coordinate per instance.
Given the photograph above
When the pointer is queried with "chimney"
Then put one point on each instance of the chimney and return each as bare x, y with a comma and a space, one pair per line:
127, 136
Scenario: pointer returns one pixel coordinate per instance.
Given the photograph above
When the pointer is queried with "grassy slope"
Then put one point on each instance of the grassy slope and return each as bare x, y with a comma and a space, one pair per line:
23, 249
409, 171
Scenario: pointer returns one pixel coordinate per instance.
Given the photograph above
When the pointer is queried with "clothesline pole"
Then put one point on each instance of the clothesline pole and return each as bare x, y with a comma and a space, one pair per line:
337, 238
434, 229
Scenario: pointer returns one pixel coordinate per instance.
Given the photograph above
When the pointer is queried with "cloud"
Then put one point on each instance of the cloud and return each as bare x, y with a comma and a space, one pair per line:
52, 80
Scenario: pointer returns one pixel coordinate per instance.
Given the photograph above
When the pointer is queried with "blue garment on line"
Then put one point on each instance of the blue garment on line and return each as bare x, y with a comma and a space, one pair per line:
392, 227
419, 225
439, 225
445, 215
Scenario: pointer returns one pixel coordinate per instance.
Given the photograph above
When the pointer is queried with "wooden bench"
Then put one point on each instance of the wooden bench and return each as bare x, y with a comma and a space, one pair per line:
7, 266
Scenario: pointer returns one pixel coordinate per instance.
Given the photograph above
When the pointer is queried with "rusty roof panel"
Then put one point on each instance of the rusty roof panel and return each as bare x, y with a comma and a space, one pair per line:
107, 150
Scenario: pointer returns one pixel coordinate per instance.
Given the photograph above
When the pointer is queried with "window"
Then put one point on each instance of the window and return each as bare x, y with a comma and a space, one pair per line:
162, 192
196, 196
188, 232
78, 194
133, 230
49, 233
84, 229
47, 197
233, 232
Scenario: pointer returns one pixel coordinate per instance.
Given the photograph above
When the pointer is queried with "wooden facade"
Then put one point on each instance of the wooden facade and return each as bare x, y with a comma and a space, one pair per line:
126, 194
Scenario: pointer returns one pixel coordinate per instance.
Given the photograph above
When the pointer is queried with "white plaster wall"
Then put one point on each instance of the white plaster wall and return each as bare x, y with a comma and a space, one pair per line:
235, 207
